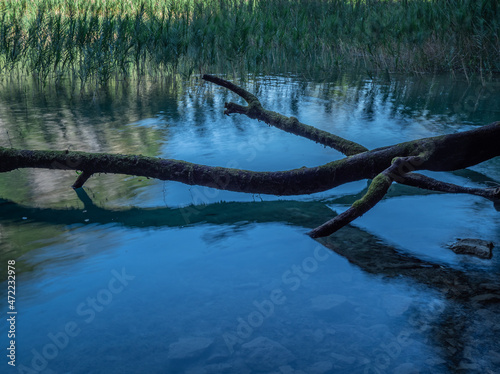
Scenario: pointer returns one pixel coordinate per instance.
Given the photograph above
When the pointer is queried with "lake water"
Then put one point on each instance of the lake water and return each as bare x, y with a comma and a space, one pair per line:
131, 275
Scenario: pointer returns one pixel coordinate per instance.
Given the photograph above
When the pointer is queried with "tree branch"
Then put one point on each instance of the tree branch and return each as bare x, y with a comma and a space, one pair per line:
366, 165
421, 181
292, 125
247, 96
82, 178
291, 182
385, 165
377, 190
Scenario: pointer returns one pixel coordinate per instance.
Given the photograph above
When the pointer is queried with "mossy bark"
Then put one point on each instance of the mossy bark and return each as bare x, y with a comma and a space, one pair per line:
388, 164
292, 125
364, 165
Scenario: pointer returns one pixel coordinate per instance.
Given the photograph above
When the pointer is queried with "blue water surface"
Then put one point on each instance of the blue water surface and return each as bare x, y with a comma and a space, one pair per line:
143, 276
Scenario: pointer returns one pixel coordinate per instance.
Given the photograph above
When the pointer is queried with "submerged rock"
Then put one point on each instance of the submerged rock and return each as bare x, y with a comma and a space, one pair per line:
327, 302
188, 348
475, 247
321, 367
264, 354
407, 368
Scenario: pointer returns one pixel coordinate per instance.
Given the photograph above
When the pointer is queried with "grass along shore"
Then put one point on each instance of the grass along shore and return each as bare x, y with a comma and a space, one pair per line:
97, 40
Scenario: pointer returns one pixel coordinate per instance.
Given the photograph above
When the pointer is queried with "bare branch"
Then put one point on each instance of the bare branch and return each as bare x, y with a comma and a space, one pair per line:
421, 181
82, 178
290, 182
385, 165
247, 96
365, 165
291, 125
376, 192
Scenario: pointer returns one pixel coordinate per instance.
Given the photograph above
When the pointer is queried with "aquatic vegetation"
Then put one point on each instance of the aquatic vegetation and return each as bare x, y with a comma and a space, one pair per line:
98, 40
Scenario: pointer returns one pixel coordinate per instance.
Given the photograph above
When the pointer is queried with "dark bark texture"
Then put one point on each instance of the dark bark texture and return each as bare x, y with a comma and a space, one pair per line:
396, 163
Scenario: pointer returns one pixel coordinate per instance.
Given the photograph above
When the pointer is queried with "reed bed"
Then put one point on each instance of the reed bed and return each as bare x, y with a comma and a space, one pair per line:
98, 40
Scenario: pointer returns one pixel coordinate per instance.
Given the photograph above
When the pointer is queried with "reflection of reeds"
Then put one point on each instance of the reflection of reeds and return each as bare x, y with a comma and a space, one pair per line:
97, 40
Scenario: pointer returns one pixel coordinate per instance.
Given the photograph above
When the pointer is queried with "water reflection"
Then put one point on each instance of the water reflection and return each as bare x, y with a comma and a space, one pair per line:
232, 283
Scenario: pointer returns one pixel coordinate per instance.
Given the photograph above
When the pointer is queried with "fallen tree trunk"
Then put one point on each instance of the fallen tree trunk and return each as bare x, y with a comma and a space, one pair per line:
385, 165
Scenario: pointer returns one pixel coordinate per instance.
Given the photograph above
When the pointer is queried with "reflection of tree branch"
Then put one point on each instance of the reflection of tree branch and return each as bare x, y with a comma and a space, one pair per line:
292, 125
290, 212
442, 153
359, 247
370, 255
453, 330
449, 333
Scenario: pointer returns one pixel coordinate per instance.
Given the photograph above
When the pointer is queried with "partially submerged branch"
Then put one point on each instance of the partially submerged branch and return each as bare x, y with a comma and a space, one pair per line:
292, 125
82, 178
376, 192
427, 183
386, 165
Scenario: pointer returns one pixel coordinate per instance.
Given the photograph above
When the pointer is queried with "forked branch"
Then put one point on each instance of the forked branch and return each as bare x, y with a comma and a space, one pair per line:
427, 183
292, 125
376, 191
385, 165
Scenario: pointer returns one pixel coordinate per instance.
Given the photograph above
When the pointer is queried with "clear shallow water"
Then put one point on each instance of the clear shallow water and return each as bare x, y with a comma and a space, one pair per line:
128, 277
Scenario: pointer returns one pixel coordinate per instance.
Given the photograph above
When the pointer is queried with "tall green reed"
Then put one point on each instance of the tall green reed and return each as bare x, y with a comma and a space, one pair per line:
99, 40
